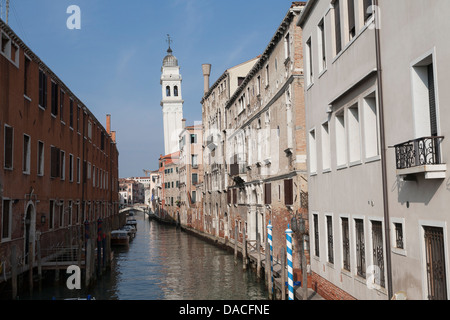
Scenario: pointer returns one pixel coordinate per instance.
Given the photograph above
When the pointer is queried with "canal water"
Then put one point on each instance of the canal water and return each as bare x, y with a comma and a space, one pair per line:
165, 263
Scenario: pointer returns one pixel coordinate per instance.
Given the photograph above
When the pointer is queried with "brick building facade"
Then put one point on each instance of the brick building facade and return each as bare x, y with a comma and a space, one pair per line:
59, 164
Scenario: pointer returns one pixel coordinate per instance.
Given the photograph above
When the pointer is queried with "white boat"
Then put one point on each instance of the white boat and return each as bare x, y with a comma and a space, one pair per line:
131, 230
120, 238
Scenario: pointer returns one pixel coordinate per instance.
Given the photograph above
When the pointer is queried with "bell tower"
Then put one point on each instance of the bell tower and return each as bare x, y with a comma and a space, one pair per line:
172, 101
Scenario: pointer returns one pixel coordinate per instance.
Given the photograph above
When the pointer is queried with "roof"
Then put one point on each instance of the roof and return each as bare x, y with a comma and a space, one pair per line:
305, 13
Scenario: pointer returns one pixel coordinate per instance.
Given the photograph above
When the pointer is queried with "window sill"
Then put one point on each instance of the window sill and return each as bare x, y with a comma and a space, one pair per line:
309, 86
342, 167
355, 163
42, 108
401, 252
322, 73
27, 97
373, 159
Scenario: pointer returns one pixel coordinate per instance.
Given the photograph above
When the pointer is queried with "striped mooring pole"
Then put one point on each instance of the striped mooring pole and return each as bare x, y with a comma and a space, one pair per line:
289, 259
269, 238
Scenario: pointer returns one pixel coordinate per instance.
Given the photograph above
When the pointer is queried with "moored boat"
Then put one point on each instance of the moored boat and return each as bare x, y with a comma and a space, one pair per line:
120, 238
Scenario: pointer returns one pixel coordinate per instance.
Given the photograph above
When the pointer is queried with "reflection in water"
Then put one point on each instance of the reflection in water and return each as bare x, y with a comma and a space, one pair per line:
163, 263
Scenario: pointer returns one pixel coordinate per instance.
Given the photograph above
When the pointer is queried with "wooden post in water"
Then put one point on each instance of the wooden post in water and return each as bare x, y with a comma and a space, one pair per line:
31, 264
235, 244
88, 262
244, 250
283, 274
258, 256
268, 266
14, 271
39, 261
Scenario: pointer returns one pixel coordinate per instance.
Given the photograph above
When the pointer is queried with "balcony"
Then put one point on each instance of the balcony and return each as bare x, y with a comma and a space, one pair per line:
421, 155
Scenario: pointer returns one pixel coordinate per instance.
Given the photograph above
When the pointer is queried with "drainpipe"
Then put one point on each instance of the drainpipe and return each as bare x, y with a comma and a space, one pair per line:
383, 150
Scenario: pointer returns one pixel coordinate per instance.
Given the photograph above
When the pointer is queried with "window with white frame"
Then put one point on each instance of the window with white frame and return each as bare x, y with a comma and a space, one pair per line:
354, 135
309, 63
341, 144
8, 150
322, 46
26, 154
40, 159
371, 140
326, 151
6, 219
71, 167
63, 165
330, 239
312, 152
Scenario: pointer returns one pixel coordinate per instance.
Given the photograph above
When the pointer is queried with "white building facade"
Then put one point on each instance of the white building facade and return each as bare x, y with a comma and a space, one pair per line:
378, 183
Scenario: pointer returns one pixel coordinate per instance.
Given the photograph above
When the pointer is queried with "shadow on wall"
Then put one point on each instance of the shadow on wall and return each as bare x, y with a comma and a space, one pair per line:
418, 189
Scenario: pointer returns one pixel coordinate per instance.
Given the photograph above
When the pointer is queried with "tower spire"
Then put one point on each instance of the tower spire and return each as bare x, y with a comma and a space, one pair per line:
169, 41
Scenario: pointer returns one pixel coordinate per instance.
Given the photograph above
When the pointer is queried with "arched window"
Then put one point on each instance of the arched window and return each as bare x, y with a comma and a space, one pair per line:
168, 91
175, 91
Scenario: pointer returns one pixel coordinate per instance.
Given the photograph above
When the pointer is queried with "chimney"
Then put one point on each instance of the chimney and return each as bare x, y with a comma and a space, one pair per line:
183, 126
108, 124
206, 73
113, 136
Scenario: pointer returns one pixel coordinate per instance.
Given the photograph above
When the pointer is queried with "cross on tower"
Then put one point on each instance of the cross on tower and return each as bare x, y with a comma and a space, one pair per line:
169, 40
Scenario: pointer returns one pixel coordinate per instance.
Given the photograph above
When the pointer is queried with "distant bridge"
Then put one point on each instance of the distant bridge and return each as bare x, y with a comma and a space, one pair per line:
137, 207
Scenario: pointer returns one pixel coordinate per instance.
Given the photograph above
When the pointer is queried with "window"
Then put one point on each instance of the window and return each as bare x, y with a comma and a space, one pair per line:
309, 63
316, 235
54, 99
267, 193
70, 167
61, 213
312, 152
175, 91
90, 129
351, 18
6, 45
330, 242
40, 161
194, 160
288, 192
26, 78
371, 127
42, 89
71, 113
194, 196
194, 178
70, 211
8, 147
326, 152
341, 145
51, 216
193, 138
354, 139
267, 75
378, 253
424, 98
26, 154
55, 162
368, 9
435, 261
78, 118
167, 91
258, 86
63, 165
345, 244
287, 46
78, 170
337, 27
322, 47
360, 248
398, 229
61, 105
6, 219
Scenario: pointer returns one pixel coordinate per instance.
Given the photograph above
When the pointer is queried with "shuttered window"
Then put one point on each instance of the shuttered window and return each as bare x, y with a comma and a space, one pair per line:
42, 89
268, 193
55, 162
9, 140
288, 192
337, 26
229, 196
234, 196
432, 99
351, 18
54, 99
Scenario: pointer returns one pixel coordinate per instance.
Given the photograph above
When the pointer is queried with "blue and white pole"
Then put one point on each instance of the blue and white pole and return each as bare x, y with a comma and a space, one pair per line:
269, 238
289, 259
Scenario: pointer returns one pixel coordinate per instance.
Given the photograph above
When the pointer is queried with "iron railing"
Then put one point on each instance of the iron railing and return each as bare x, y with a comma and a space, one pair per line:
418, 152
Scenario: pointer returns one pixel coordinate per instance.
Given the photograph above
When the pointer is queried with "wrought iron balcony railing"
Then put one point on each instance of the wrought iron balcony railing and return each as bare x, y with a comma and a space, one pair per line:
418, 152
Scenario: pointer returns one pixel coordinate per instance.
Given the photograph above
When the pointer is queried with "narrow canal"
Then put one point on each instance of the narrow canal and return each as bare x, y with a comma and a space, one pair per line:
164, 263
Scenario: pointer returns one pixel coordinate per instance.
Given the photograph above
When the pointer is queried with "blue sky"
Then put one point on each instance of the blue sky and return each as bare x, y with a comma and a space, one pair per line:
113, 63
